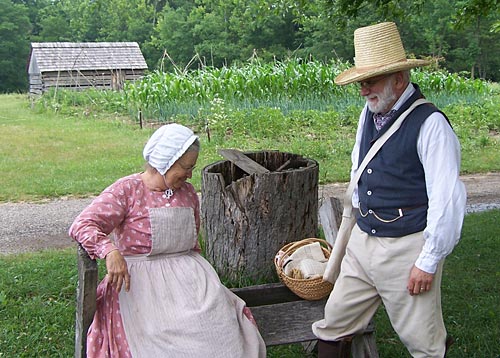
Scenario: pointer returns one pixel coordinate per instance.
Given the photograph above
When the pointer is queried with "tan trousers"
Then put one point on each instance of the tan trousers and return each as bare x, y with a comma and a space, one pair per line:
376, 270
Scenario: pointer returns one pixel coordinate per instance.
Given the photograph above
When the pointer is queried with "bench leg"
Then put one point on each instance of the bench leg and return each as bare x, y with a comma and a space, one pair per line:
334, 349
310, 346
364, 346
85, 300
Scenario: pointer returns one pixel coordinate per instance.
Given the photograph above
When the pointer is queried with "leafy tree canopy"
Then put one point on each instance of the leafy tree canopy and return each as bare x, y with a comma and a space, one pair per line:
184, 34
15, 27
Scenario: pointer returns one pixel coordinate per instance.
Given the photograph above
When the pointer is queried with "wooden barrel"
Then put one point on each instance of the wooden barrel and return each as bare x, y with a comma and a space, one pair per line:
248, 218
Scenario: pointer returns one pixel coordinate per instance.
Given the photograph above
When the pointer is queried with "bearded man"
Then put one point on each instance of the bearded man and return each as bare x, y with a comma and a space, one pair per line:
409, 204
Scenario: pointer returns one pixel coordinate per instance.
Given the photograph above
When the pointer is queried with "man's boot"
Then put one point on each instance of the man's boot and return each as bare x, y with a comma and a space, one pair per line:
334, 349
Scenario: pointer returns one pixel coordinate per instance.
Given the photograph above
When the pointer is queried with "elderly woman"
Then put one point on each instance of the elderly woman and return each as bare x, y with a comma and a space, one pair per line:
160, 297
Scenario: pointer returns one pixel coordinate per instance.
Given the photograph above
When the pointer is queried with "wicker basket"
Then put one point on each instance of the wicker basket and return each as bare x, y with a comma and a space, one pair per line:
308, 289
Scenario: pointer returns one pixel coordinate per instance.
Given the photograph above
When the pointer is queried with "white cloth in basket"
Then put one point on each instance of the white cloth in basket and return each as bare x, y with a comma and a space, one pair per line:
309, 259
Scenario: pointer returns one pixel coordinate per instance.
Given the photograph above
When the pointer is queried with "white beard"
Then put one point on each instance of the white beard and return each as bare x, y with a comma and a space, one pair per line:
385, 99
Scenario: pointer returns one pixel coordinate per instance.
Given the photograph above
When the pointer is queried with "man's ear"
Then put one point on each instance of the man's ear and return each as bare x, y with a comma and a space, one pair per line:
400, 82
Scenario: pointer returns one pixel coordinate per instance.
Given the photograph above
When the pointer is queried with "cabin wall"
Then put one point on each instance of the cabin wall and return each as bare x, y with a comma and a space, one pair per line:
81, 80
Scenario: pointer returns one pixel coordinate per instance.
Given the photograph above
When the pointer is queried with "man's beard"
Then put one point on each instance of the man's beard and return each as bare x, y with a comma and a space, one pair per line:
385, 99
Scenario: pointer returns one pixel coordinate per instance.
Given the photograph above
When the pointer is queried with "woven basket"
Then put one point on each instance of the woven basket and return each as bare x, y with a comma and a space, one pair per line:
308, 289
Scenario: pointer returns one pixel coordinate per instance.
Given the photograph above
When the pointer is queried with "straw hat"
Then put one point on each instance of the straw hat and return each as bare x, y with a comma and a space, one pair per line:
378, 50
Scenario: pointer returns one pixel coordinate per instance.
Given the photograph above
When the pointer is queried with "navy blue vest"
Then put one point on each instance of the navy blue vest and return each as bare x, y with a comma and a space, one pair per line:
392, 193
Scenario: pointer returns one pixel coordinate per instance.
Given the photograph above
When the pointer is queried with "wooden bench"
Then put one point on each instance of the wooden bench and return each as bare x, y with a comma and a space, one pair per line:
282, 317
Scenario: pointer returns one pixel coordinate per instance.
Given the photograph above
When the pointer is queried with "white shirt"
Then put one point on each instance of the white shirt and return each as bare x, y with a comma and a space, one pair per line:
439, 152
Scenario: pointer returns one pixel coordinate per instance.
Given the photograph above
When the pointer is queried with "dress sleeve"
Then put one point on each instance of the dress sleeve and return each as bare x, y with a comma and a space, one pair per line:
94, 224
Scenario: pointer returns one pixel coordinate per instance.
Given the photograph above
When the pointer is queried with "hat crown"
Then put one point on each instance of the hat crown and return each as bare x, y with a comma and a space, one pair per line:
378, 51
378, 45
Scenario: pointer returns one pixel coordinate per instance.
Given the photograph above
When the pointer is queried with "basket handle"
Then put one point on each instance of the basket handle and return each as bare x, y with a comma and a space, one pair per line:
302, 243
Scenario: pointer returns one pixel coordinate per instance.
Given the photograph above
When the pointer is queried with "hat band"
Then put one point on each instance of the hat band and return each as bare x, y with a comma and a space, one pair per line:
375, 67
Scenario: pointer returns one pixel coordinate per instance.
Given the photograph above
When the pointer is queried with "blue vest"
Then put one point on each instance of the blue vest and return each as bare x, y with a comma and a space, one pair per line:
392, 193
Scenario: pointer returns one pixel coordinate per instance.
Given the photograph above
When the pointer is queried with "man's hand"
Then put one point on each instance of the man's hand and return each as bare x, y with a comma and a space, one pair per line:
419, 282
117, 270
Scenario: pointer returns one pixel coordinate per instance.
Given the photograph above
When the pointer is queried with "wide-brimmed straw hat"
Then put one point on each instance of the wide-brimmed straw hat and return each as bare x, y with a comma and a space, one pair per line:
378, 50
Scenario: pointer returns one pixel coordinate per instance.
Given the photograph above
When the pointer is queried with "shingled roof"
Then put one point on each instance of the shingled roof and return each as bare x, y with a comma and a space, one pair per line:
80, 56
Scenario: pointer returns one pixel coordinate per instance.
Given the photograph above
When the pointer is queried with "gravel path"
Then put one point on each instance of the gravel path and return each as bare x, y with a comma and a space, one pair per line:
28, 227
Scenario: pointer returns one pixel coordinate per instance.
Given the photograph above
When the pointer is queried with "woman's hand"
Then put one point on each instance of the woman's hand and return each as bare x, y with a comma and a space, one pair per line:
117, 270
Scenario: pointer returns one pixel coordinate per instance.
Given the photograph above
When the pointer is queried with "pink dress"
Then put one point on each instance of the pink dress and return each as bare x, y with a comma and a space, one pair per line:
124, 209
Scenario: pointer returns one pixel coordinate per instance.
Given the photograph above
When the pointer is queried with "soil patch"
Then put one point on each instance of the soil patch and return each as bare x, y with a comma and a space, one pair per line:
28, 227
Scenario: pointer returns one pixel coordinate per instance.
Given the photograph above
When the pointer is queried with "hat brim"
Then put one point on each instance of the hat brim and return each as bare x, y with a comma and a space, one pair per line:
355, 75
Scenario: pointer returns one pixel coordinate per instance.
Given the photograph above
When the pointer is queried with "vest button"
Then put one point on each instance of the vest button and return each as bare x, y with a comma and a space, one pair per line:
370, 211
374, 231
369, 171
369, 192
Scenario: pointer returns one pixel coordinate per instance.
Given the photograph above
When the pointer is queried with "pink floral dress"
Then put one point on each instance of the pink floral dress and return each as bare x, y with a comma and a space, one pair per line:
124, 208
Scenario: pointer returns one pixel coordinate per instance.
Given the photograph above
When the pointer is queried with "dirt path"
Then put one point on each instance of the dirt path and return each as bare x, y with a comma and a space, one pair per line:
27, 227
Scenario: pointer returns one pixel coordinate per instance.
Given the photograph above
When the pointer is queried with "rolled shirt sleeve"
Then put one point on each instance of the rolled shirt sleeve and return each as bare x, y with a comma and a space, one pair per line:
439, 152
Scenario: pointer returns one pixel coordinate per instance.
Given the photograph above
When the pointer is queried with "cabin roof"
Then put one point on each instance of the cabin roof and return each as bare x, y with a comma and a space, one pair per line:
79, 56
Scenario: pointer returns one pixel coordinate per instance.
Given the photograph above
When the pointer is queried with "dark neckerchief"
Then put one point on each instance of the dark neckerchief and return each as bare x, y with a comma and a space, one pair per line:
381, 120
416, 95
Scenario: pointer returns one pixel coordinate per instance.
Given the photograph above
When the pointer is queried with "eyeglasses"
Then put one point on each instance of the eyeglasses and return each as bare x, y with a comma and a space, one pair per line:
369, 83
187, 168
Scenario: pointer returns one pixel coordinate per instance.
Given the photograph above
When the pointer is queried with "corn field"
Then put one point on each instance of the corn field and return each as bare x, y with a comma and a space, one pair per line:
262, 82
294, 84
292, 106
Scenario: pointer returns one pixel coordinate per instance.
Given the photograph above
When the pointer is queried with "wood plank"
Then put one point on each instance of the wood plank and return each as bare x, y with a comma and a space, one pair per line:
284, 165
330, 216
266, 294
365, 345
242, 161
288, 322
282, 317
85, 300
282, 321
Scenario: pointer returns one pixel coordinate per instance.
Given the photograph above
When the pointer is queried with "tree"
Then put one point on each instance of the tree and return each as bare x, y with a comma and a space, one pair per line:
465, 11
463, 33
15, 27
173, 36
125, 20
53, 23
34, 7
222, 32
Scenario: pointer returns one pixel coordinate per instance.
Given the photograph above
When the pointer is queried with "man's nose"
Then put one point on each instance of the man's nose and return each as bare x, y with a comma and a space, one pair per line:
364, 91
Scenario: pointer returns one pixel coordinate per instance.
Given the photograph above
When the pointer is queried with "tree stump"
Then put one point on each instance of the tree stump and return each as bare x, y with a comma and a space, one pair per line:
248, 218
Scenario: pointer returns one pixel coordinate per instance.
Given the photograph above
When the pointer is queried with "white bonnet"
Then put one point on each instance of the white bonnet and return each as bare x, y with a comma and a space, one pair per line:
167, 144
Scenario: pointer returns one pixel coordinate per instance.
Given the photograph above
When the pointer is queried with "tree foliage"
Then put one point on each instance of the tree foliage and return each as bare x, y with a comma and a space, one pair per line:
14, 29
185, 34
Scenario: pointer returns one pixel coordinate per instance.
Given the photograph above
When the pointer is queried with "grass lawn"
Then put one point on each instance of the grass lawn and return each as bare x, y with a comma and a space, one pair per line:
37, 300
50, 154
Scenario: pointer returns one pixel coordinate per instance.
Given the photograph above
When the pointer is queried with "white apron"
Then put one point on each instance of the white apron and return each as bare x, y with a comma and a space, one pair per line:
177, 306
